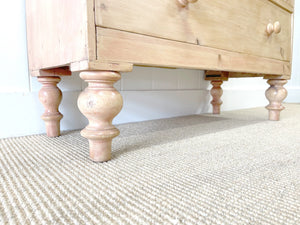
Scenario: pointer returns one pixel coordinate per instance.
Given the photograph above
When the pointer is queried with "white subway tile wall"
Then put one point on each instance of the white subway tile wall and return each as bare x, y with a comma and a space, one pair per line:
136, 80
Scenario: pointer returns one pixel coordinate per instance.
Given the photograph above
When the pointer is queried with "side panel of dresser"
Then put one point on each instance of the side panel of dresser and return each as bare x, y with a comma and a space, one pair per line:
235, 25
59, 33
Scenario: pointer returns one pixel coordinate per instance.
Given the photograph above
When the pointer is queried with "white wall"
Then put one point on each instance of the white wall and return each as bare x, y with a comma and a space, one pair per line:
149, 93
293, 85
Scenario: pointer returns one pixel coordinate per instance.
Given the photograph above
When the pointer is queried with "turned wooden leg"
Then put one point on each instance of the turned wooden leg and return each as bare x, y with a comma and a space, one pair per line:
276, 93
100, 102
216, 92
50, 96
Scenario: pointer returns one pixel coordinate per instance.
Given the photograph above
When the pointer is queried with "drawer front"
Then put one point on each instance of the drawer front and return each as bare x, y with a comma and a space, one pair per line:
286, 4
290, 2
235, 25
283, 2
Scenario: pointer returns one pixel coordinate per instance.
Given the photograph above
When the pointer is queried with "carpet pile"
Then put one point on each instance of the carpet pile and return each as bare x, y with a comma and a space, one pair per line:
234, 168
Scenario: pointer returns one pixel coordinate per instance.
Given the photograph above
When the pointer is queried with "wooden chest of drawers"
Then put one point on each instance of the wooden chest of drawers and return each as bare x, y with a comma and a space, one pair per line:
101, 38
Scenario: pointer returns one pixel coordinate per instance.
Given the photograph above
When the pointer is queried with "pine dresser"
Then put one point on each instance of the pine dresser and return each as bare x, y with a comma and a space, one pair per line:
102, 38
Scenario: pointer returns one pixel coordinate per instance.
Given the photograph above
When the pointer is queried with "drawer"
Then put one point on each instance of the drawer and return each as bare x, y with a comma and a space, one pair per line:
235, 25
287, 4
290, 2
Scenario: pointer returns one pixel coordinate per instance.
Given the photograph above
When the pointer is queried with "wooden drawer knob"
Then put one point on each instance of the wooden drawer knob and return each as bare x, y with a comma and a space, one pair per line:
276, 28
184, 3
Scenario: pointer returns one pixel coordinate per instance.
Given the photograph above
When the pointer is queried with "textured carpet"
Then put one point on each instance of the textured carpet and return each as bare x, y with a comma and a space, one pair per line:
236, 168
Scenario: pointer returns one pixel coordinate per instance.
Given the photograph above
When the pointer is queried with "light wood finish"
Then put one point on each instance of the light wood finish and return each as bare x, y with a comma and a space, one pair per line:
216, 78
240, 75
270, 28
238, 26
216, 93
100, 102
285, 4
276, 28
184, 3
65, 29
285, 77
238, 38
276, 94
121, 46
98, 65
61, 71
68, 33
50, 96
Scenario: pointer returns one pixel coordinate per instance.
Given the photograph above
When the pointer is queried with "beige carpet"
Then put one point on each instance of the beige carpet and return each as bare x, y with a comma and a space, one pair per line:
236, 168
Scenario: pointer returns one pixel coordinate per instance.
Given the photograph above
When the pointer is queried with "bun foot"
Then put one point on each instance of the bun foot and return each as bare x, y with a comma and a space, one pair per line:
100, 102
50, 96
276, 93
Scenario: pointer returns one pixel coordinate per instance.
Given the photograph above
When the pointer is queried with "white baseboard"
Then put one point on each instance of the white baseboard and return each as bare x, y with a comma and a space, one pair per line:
20, 114
149, 105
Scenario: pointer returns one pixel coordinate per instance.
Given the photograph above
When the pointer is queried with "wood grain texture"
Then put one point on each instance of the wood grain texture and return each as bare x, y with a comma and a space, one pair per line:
285, 4
276, 93
100, 102
236, 26
285, 77
117, 46
91, 30
184, 3
100, 38
216, 93
59, 71
98, 65
50, 96
59, 32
